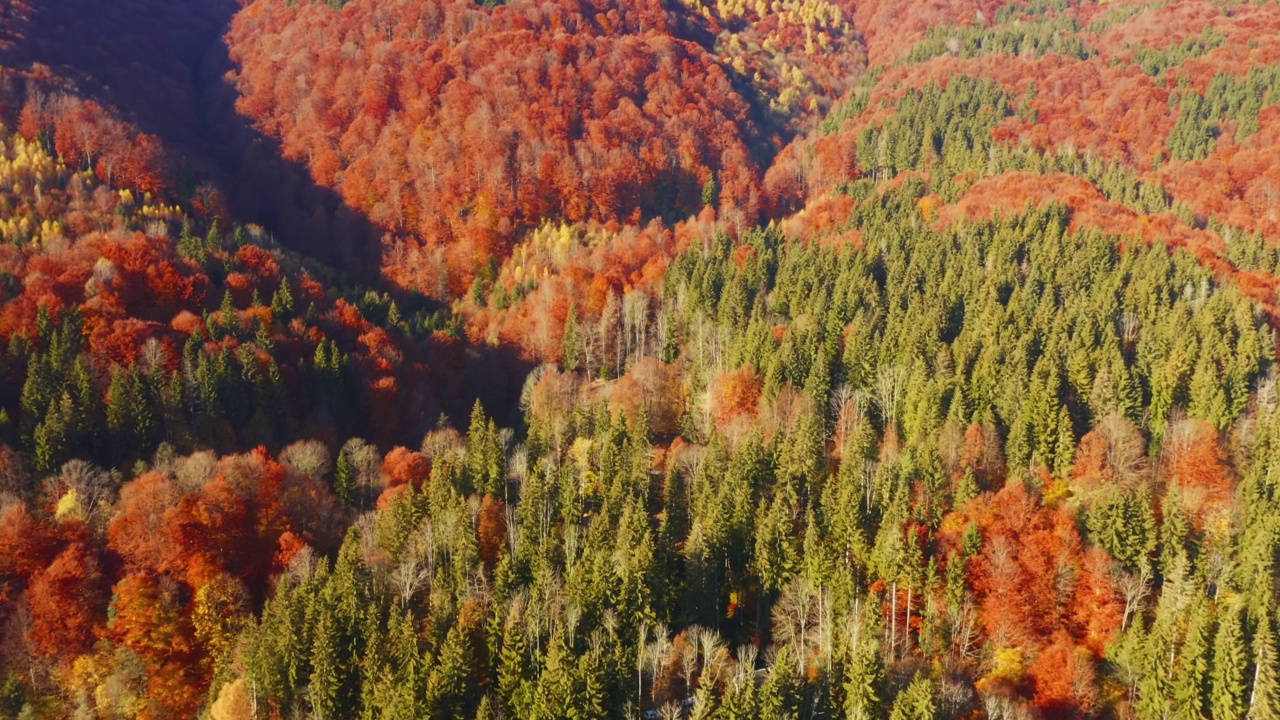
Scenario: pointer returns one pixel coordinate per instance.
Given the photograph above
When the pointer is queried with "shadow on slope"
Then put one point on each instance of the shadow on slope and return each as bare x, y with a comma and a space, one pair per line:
163, 67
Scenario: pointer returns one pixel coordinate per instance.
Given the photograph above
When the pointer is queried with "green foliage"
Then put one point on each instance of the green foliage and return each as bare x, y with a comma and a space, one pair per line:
950, 127
1059, 35
1227, 694
1157, 62
1228, 99
916, 702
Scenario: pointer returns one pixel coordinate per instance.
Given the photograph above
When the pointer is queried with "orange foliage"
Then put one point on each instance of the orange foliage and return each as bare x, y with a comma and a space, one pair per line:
654, 387
434, 137
1037, 589
1099, 609
491, 529
1196, 464
66, 601
405, 467
735, 394
1064, 679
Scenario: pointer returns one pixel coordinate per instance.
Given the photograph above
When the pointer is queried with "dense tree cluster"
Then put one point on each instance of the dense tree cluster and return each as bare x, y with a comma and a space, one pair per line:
124, 326
940, 388
1005, 466
458, 126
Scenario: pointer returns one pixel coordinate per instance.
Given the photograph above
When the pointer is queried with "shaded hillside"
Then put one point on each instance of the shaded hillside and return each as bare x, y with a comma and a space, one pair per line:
457, 128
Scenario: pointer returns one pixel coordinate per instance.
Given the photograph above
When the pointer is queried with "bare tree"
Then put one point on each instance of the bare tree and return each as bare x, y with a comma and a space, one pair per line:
796, 617
84, 489
308, 458
657, 654
1135, 588
890, 386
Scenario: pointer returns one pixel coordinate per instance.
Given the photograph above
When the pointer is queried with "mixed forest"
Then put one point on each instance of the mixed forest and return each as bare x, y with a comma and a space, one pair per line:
659, 359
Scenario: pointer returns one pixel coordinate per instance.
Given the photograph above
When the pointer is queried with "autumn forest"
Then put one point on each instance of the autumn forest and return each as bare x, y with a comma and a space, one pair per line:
660, 359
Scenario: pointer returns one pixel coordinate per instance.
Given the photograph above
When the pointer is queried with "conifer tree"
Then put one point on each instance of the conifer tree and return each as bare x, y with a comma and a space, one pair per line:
916, 702
1230, 664
1264, 698
864, 685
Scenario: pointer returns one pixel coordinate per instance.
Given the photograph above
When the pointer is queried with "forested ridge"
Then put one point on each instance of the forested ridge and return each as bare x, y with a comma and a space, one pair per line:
586, 359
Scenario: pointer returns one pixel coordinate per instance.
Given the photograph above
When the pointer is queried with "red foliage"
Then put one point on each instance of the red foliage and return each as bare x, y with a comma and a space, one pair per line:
66, 601
461, 135
137, 532
27, 545
233, 524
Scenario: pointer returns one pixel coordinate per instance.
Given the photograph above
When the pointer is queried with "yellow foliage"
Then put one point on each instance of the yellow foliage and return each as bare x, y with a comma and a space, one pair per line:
1007, 667
112, 684
233, 703
68, 506
1056, 492
580, 451
927, 206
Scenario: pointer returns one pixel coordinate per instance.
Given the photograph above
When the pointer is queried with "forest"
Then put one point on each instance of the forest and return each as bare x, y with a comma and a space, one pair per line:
665, 360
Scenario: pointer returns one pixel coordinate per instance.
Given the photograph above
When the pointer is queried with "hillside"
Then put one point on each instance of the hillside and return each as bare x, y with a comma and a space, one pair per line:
578, 358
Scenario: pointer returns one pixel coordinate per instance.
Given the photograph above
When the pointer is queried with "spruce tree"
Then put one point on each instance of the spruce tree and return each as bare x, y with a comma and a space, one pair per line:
1190, 679
449, 687
571, 344
1264, 699
916, 702
1227, 674
864, 684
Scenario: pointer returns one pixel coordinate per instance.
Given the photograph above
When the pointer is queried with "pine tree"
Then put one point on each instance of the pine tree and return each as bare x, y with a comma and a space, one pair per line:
1230, 665
555, 696
1264, 699
51, 435
916, 702
345, 477
1190, 679
484, 454
776, 697
864, 685
571, 344
324, 684
282, 300
449, 687
213, 239
227, 311
44, 327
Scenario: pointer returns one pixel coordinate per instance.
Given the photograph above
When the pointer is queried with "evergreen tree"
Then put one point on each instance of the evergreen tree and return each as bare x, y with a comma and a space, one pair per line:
1190, 681
450, 690
1229, 667
1264, 698
571, 343
282, 300
916, 702
864, 685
